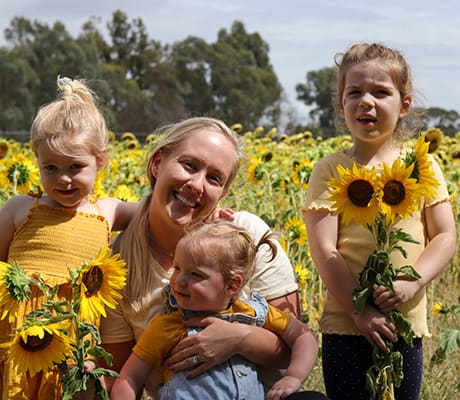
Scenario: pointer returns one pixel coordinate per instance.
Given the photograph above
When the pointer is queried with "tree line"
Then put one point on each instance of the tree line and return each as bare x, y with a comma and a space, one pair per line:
142, 83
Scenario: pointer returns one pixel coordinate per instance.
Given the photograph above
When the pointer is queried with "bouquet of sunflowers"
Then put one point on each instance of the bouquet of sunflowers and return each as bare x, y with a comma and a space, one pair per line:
62, 333
378, 201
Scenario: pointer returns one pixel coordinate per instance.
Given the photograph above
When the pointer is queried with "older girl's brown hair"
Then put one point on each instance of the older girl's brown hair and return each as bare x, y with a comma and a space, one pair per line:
390, 59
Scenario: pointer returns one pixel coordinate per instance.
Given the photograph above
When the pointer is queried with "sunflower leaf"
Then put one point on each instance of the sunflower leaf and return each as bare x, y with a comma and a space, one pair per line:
403, 326
89, 328
98, 352
409, 271
17, 283
361, 299
450, 340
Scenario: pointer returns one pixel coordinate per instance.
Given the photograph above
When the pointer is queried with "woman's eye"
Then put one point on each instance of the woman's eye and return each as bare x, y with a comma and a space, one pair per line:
215, 179
188, 164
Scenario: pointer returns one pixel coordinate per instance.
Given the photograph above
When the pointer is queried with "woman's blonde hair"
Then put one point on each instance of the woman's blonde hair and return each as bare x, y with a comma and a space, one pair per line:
134, 242
73, 120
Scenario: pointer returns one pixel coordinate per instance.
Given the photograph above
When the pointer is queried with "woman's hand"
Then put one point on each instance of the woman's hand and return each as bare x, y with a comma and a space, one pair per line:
373, 325
215, 344
404, 290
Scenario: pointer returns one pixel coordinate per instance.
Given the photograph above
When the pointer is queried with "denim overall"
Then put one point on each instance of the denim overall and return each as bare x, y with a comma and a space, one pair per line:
235, 379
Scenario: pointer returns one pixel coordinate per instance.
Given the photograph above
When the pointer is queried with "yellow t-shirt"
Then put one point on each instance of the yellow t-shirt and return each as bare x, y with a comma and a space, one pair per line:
355, 243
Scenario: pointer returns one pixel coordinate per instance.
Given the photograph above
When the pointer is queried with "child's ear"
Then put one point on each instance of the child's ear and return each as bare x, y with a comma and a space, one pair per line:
234, 285
101, 159
405, 106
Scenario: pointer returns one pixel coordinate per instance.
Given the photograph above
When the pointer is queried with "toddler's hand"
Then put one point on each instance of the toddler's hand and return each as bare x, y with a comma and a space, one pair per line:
223, 213
284, 387
90, 392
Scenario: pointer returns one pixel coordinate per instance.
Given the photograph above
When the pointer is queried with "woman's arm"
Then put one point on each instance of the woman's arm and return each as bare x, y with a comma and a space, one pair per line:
221, 340
289, 302
117, 212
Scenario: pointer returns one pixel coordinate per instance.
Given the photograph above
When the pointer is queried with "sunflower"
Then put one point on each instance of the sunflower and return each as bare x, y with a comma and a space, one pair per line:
99, 283
14, 288
399, 193
19, 174
98, 189
125, 193
237, 127
422, 169
302, 274
39, 347
296, 230
433, 137
438, 308
127, 136
3, 149
255, 170
111, 136
302, 172
353, 194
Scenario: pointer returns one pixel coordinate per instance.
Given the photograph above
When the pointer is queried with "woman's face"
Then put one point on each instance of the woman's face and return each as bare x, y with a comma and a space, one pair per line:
192, 178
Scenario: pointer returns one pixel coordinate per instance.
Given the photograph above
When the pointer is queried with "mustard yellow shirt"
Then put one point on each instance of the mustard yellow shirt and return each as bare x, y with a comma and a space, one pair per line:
166, 330
49, 240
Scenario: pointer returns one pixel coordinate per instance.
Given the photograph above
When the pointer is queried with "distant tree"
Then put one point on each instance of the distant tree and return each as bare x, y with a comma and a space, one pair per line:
50, 51
141, 84
18, 82
191, 61
244, 86
317, 93
446, 120
37, 54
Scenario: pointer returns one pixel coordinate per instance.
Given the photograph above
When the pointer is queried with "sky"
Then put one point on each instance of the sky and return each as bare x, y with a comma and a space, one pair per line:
302, 35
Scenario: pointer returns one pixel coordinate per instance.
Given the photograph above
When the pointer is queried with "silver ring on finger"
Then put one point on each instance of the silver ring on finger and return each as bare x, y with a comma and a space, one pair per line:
195, 359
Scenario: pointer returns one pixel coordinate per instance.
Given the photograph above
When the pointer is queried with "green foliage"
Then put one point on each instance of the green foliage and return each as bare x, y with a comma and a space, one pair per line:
385, 374
316, 92
17, 283
449, 339
141, 83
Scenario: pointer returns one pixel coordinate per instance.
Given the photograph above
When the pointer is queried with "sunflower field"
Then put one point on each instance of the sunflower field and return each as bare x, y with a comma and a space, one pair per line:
272, 183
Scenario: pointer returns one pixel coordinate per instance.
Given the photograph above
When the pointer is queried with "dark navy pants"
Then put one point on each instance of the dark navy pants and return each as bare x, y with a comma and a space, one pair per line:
307, 395
346, 359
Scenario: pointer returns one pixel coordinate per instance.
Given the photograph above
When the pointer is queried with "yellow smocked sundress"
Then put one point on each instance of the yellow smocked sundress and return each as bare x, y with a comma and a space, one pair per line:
49, 240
